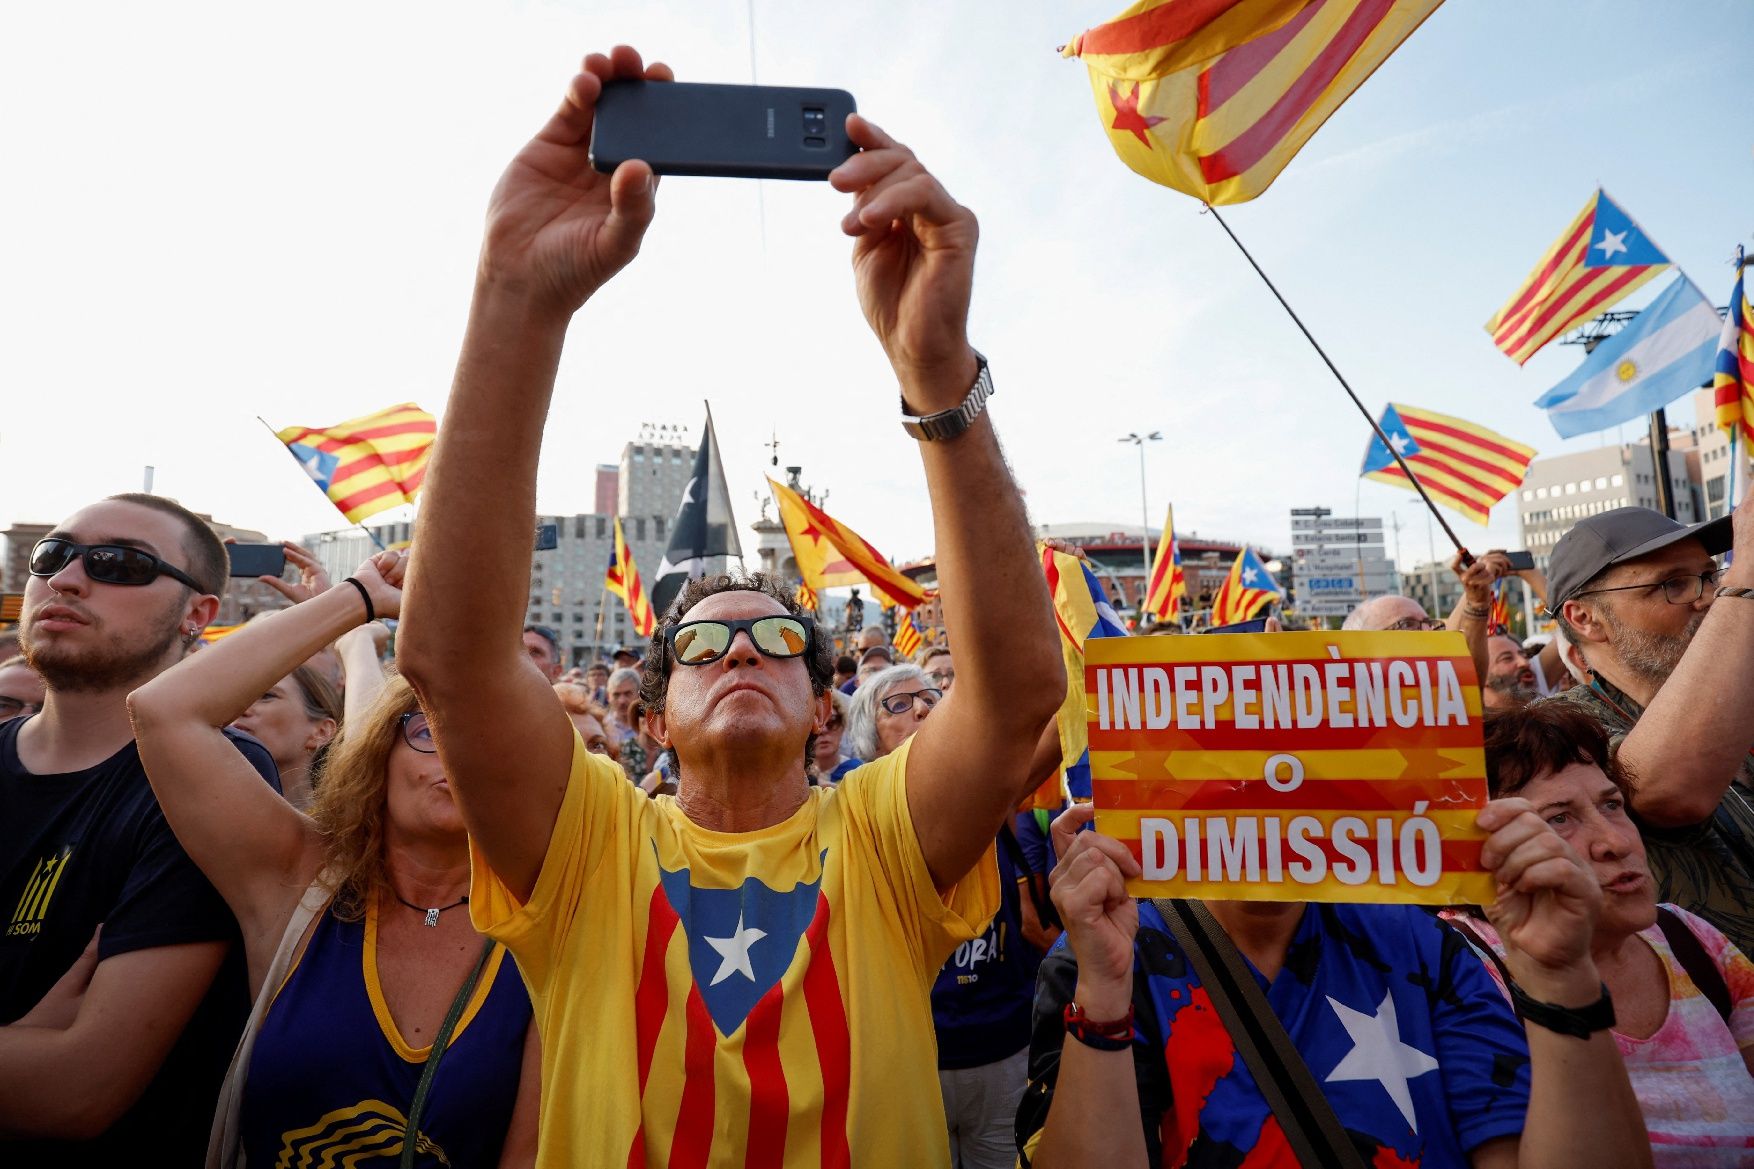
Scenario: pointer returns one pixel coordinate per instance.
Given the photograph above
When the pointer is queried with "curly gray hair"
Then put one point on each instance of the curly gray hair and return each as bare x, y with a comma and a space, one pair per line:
861, 736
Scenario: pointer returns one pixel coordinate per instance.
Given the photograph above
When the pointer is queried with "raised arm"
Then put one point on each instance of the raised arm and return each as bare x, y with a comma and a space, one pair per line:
556, 231
1474, 610
1686, 747
257, 850
914, 258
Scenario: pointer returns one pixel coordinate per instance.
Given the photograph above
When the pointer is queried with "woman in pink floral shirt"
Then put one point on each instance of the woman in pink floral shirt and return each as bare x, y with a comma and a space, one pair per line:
1691, 1060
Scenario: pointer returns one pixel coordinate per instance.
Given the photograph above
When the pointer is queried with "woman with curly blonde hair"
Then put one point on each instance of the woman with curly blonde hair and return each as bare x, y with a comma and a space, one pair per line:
361, 954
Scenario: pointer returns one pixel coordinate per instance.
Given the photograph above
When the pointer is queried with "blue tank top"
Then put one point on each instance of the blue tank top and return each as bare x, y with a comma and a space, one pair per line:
331, 1079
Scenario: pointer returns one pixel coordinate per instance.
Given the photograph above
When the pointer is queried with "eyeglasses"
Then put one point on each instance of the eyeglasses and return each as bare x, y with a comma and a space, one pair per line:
902, 703
1415, 625
13, 707
944, 678
701, 643
417, 734
115, 564
1677, 590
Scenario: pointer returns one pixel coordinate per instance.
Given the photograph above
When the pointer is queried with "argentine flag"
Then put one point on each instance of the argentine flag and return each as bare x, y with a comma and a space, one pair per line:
1663, 353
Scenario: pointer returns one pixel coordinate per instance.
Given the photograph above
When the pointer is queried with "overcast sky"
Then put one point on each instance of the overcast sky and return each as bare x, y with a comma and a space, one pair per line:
219, 211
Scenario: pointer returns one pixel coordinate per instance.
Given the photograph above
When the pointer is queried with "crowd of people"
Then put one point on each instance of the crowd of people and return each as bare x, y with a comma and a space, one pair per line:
305, 897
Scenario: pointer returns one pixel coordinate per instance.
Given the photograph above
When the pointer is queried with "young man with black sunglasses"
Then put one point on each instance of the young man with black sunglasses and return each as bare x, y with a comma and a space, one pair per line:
110, 1052
1669, 640
738, 974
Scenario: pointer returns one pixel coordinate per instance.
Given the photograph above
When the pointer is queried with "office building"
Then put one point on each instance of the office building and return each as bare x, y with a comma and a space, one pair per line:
1337, 562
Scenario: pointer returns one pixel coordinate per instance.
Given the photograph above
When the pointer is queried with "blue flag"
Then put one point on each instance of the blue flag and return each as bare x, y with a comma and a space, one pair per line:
1665, 352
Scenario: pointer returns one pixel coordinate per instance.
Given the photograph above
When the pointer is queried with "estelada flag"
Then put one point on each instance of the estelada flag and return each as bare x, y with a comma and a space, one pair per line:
1600, 258
907, 635
1462, 465
1168, 583
1082, 611
369, 464
1214, 97
830, 554
1732, 379
623, 580
1246, 591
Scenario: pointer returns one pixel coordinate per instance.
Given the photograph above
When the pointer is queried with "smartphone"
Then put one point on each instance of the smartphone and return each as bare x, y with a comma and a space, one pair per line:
1258, 625
728, 131
256, 559
1520, 561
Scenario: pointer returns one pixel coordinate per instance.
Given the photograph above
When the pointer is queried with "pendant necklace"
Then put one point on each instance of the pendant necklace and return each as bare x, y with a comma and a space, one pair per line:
432, 912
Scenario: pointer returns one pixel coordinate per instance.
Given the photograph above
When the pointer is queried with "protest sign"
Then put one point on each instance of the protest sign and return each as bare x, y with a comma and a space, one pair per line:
1291, 766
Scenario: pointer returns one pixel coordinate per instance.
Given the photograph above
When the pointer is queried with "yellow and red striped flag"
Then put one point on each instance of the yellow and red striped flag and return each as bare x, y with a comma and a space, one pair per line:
1463, 466
806, 597
1600, 258
1168, 583
829, 553
623, 580
1246, 591
1732, 379
366, 465
1214, 97
907, 635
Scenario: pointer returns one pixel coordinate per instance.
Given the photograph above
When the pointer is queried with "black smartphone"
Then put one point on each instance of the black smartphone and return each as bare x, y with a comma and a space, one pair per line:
728, 131
1258, 625
256, 559
1520, 561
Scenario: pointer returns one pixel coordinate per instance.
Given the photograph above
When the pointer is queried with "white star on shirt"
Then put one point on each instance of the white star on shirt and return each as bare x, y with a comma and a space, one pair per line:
1401, 442
1378, 1054
1611, 243
734, 952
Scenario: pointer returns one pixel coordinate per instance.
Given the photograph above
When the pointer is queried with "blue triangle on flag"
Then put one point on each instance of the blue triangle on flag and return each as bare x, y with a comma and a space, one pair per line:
1377, 457
1616, 241
319, 465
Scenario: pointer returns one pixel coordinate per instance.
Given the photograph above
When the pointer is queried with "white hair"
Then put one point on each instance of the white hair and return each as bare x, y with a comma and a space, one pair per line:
620, 675
861, 733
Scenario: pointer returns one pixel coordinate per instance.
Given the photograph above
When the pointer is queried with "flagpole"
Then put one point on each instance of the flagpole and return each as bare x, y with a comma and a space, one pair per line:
1375, 427
376, 543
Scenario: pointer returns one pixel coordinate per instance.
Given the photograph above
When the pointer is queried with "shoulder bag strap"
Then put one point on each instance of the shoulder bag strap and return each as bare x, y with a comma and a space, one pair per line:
1691, 953
440, 1041
225, 1139
1305, 1116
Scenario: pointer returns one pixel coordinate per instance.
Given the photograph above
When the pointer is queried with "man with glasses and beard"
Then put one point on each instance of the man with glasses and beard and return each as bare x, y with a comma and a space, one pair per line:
112, 1042
1510, 682
1668, 638
738, 974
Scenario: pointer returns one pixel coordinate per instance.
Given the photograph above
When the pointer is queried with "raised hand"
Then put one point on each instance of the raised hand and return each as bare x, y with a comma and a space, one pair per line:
914, 261
382, 578
312, 579
557, 230
1100, 916
1548, 900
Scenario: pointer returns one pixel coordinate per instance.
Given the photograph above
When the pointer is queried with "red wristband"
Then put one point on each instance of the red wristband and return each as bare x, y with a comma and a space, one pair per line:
1115, 1035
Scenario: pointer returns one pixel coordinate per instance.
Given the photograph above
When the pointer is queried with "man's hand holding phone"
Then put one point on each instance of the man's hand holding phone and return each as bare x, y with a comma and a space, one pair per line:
556, 229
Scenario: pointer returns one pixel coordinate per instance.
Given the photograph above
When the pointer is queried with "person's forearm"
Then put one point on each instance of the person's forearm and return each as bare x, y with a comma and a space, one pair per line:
53, 1087
362, 669
1687, 746
472, 568
1582, 1110
1469, 619
992, 589
1093, 1119
218, 684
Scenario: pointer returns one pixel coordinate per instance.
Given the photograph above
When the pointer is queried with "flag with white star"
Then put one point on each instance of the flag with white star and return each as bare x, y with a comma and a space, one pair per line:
1461, 464
1599, 259
1246, 591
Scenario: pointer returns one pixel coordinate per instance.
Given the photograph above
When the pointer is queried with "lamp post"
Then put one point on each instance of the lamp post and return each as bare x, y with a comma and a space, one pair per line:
1139, 440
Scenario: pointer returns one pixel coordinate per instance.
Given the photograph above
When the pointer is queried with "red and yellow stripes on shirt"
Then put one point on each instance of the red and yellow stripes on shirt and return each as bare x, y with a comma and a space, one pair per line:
1462, 464
1214, 97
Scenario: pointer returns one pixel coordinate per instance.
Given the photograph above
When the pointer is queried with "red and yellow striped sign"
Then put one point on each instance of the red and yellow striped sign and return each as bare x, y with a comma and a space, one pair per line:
1291, 766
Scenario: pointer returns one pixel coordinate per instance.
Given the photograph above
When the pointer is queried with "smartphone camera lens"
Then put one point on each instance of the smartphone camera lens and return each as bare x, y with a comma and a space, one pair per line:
815, 120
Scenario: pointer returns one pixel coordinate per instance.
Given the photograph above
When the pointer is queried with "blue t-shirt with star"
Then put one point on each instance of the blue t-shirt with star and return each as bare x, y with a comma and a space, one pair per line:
1398, 1021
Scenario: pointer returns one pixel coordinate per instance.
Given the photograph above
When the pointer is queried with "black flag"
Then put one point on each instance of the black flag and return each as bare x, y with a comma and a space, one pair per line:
703, 527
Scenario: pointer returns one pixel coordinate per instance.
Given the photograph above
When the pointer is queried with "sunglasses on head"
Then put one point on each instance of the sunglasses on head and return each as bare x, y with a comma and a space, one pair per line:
700, 643
116, 564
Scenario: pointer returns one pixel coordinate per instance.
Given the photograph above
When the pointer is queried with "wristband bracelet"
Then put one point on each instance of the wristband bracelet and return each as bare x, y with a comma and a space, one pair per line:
1727, 591
1116, 1035
1577, 1022
371, 614
1474, 614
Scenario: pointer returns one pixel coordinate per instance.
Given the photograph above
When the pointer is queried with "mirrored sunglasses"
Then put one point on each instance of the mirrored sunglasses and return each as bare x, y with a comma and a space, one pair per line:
700, 643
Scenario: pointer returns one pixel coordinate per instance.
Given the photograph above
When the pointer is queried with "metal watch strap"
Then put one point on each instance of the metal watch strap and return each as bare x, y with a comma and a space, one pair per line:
1577, 1022
947, 424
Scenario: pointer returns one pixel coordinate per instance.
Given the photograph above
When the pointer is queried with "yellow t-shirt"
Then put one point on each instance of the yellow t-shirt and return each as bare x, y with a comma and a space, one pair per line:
750, 999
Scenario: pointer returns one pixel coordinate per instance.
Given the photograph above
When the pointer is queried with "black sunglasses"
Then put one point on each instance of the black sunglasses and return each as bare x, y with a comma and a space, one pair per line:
700, 643
115, 564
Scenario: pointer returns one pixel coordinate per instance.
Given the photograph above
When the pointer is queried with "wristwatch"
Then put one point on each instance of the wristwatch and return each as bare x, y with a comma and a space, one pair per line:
1577, 1022
947, 424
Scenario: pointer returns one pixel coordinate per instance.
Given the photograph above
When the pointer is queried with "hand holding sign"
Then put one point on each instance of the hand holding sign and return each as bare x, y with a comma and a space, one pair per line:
1547, 903
1090, 891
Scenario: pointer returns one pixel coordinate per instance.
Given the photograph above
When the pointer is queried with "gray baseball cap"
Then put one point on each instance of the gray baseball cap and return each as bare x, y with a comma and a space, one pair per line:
1600, 541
